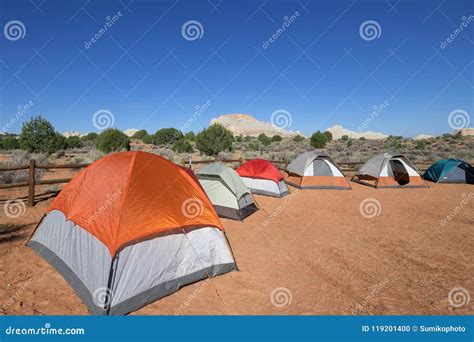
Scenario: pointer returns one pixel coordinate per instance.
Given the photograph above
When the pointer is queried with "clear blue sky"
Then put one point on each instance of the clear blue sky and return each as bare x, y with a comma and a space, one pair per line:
319, 69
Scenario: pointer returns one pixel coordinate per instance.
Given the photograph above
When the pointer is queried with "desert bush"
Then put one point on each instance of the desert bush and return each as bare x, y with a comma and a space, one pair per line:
247, 138
89, 137
239, 138
20, 157
264, 139
190, 136
254, 146
345, 138
349, 143
420, 145
38, 135
167, 136
111, 140
93, 155
318, 140
10, 143
183, 146
328, 136
298, 138
277, 138
214, 139
149, 139
73, 142
392, 143
140, 134
362, 139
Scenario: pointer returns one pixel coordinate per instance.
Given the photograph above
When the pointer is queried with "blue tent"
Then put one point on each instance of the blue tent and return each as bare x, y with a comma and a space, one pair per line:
450, 171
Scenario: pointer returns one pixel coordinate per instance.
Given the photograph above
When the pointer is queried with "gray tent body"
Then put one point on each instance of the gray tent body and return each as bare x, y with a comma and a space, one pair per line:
388, 165
228, 194
139, 274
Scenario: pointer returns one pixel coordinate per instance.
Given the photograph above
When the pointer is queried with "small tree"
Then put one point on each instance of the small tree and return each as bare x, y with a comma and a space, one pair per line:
264, 140
239, 138
276, 138
73, 142
190, 136
349, 143
61, 142
183, 146
214, 139
247, 138
89, 137
38, 135
139, 135
149, 139
328, 136
298, 138
167, 136
111, 140
318, 140
345, 138
10, 143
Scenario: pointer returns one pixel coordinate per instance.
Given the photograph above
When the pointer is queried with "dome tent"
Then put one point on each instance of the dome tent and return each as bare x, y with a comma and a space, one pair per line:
263, 178
129, 229
229, 195
389, 170
315, 170
450, 171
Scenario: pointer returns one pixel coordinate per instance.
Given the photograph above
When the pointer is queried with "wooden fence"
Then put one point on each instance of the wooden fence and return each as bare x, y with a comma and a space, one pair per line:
32, 167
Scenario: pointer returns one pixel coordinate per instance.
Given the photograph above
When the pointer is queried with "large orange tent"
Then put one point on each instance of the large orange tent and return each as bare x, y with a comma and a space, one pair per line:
129, 229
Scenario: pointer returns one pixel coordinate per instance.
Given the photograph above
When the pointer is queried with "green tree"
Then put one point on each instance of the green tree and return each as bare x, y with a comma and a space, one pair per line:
10, 143
190, 136
298, 138
393, 143
239, 138
73, 142
264, 140
345, 138
318, 140
254, 146
111, 140
167, 136
214, 139
183, 146
139, 135
276, 138
328, 136
149, 139
89, 137
349, 143
247, 138
38, 135
61, 142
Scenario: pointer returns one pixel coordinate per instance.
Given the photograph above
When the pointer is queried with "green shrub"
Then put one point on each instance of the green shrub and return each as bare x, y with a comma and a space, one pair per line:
420, 145
190, 136
264, 139
349, 143
328, 136
298, 138
392, 143
73, 142
139, 135
247, 138
276, 138
239, 138
38, 135
89, 137
254, 146
182, 146
61, 142
111, 140
362, 139
167, 136
214, 139
318, 140
149, 139
10, 143
345, 138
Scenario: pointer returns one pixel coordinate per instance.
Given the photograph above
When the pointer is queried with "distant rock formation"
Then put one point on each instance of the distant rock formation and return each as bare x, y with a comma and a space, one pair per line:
68, 134
130, 132
247, 125
468, 131
422, 136
338, 131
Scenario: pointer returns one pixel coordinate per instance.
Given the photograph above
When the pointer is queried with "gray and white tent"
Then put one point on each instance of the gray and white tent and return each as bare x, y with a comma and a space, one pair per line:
228, 194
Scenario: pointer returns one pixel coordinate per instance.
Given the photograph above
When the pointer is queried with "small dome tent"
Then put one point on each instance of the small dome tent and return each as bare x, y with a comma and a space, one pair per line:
315, 170
129, 229
262, 178
229, 195
388, 170
450, 171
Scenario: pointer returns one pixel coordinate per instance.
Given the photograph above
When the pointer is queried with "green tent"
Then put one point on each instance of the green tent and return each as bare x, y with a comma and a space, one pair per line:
450, 171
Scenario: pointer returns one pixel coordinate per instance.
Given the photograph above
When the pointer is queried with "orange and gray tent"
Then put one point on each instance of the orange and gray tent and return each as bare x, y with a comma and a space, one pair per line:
129, 229
387, 170
315, 170
229, 195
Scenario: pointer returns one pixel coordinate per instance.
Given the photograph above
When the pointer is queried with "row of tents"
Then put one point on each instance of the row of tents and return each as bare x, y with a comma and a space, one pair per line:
134, 227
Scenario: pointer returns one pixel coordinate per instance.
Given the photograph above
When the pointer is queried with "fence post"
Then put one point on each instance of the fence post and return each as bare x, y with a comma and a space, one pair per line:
190, 160
31, 183
241, 160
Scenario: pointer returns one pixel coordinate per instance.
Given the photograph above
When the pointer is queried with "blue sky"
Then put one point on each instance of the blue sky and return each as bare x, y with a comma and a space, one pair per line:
319, 69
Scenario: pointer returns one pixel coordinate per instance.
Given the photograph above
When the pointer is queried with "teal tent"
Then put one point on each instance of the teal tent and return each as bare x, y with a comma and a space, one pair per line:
450, 171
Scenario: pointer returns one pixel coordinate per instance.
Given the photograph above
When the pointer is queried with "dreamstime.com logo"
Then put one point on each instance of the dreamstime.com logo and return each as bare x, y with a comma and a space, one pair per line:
359, 307
458, 297
192, 297
192, 30
370, 208
459, 119
370, 30
14, 30
13, 298
192, 207
14, 208
281, 119
466, 198
102, 297
103, 119
280, 297
46, 330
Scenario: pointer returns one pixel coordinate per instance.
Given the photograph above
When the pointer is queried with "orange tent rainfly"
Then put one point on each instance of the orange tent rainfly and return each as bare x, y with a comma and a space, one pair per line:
129, 229
263, 178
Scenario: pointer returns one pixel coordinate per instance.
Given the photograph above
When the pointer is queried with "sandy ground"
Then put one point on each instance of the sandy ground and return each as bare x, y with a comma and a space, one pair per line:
316, 255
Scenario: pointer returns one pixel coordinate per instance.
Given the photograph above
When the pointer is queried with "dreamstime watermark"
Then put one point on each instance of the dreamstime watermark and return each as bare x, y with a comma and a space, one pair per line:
111, 198
280, 297
21, 110
46, 330
370, 30
288, 20
102, 297
465, 21
459, 119
466, 198
377, 110
192, 208
14, 30
192, 30
370, 208
281, 119
375, 291
458, 297
280, 208
14, 208
103, 119
110, 21
13, 298
192, 297
199, 110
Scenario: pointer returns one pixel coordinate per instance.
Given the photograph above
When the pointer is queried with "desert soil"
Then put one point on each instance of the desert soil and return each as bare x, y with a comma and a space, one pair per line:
318, 255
